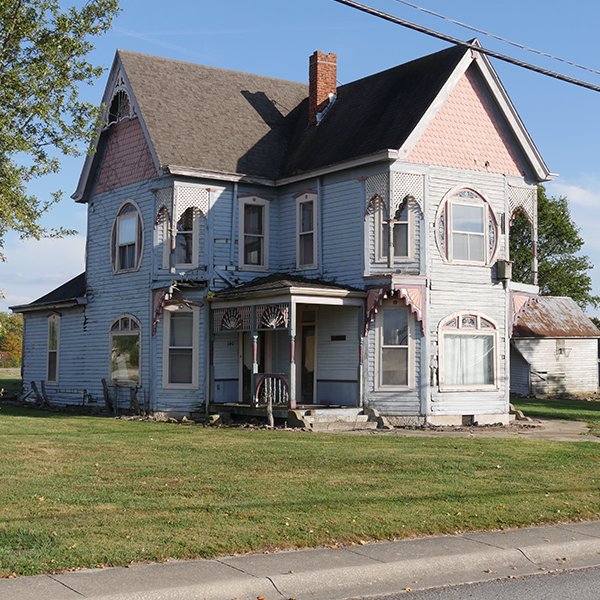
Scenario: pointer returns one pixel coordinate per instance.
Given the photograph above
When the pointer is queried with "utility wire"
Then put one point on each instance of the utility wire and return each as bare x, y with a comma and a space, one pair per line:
447, 38
497, 37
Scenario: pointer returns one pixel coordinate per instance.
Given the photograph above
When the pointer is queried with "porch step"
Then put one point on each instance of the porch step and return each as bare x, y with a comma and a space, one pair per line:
334, 419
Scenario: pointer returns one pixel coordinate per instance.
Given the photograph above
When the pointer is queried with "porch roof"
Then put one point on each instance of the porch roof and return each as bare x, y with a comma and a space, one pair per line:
71, 293
277, 284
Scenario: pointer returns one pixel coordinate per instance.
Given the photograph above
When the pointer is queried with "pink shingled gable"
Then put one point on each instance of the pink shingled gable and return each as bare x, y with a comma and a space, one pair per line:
128, 159
466, 135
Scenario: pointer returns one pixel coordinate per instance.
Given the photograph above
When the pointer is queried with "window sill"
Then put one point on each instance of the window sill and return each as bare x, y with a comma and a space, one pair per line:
481, 388
258, 268
306, 267
179, 386
395, 388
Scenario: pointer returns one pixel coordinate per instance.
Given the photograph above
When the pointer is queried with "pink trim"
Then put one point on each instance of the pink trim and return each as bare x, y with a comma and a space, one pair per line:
519, 303
296, 196
254, 349
363, 178
414, 296
159, 300
374, 301
293, 350
262, 196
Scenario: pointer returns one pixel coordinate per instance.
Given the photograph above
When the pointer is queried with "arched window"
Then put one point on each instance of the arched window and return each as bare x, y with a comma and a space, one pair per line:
53, 348
127, 239
469, 356
466, 228
125, 351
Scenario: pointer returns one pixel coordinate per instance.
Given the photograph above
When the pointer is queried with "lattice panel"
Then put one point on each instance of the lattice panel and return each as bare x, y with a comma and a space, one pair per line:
407, 184
272, 316
378, 185
164, 199
525, 199
232, 319
190, 197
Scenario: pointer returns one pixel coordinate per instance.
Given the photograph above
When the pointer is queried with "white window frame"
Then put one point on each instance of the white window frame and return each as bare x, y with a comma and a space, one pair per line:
394, 303
129, 332
254, 200
444, 221
381, 238
53, 321
480, 329
195, 241
139, 238
170, 310
306, 198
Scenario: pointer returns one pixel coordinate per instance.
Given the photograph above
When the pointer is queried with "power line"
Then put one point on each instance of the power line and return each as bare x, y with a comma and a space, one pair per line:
447, 38
497, 37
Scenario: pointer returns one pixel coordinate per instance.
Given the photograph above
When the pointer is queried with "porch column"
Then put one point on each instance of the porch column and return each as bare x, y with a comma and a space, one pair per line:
292, 326
254, 367
361, 349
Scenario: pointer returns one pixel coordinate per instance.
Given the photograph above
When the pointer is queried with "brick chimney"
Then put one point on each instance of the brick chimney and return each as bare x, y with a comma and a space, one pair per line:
322, 79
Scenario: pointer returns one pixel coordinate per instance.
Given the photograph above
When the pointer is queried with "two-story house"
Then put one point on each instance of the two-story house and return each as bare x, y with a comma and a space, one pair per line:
323, 245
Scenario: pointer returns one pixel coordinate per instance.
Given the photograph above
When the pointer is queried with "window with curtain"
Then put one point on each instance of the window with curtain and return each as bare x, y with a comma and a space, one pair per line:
469, 352
127, 239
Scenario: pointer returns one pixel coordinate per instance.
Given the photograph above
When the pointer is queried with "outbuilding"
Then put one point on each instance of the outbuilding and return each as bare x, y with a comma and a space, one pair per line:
554, 349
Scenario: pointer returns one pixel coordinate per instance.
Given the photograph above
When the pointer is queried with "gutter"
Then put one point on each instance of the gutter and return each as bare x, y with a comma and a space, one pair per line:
389, 154
52, 305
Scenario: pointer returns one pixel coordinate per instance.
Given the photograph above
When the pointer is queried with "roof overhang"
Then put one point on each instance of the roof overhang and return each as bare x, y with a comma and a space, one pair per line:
304, 295
22, 308
383, 155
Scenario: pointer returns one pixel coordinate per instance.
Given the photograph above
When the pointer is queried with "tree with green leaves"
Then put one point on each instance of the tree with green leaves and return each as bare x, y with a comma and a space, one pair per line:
562, 270
43, 52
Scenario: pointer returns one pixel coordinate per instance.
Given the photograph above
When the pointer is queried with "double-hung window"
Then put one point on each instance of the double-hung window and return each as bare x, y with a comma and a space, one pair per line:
468, 353
395, 331
401, 234
180, 353
306, 230
254, 233
186, 240
127, 240
53, 347
466, 228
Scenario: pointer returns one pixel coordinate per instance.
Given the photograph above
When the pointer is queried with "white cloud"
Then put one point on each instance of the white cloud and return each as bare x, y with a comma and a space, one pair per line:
35, 267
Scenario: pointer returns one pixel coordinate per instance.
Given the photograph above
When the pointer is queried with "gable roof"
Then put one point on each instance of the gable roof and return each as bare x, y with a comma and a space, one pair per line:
205, 120
554, 317
70, 293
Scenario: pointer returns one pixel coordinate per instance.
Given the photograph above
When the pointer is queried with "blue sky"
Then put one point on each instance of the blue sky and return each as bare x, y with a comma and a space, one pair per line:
276, 37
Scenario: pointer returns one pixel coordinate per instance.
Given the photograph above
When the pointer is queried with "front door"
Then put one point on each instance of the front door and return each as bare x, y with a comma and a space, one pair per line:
308, 349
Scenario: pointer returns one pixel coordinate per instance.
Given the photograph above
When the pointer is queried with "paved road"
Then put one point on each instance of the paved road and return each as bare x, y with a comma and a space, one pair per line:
583, 584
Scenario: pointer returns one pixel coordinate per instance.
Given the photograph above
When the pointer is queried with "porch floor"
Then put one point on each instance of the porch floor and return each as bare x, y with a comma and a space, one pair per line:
316, 417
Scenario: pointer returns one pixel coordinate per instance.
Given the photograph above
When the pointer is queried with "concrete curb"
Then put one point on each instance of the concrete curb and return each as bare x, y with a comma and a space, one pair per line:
331, 574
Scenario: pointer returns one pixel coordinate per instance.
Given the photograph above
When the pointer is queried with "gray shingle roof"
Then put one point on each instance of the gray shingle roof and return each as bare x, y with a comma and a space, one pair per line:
280, 282
213, 119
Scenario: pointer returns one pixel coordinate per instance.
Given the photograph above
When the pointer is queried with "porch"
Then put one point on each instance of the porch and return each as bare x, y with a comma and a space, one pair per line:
289, 342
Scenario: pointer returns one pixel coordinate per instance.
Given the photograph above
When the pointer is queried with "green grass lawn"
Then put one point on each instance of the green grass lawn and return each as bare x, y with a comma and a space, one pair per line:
84, 491
10, 380
572, 410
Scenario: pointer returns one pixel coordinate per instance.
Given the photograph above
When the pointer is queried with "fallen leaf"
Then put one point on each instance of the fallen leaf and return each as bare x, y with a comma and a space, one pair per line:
54, 533
488, 571
407, 589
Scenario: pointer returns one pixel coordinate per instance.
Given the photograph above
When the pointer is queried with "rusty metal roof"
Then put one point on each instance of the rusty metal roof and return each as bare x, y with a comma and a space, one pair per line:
554, 317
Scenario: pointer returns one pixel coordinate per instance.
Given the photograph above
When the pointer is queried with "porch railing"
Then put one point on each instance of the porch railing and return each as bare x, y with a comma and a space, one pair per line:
271, 388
